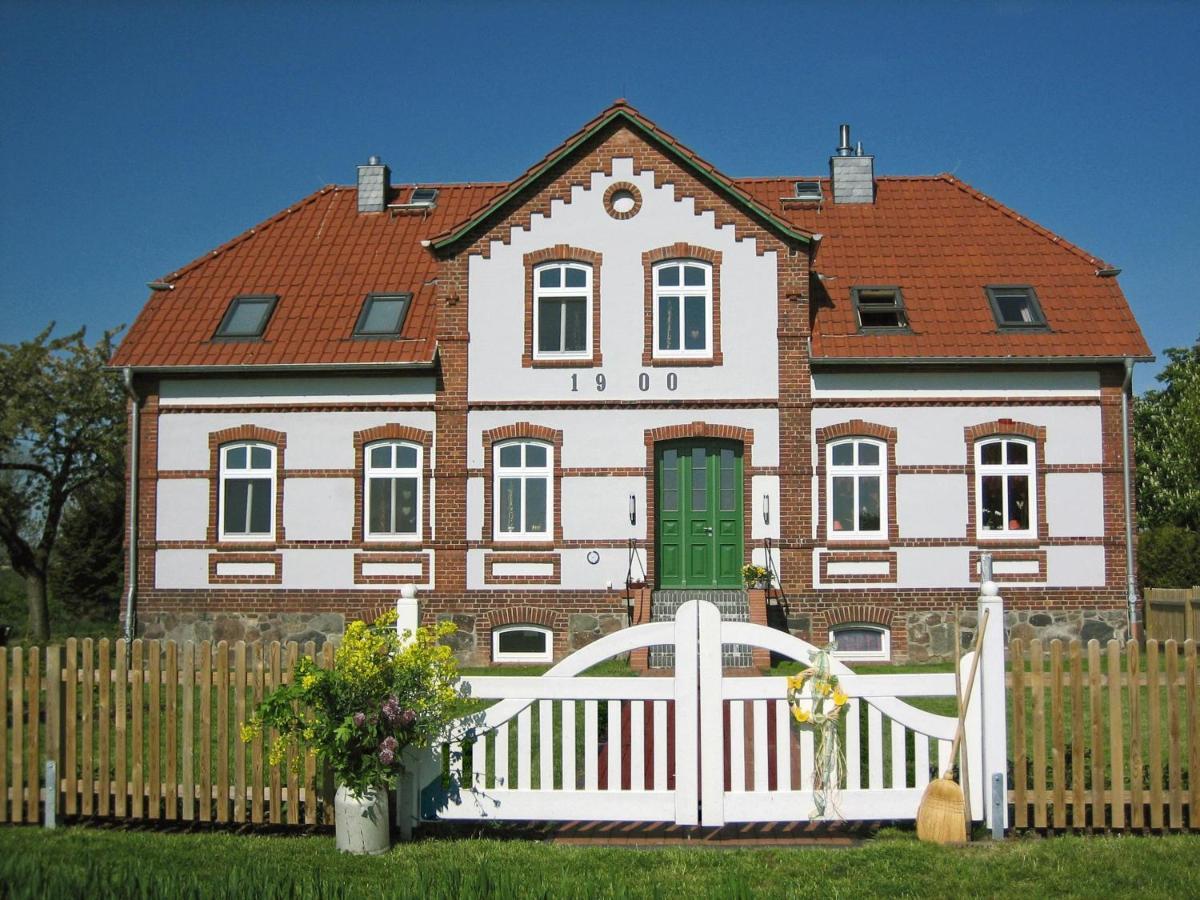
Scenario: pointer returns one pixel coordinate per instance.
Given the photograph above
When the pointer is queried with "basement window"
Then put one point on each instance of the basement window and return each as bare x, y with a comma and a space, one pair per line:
382, 315
423, 197
861, 643
879, 308
1015, 306
808, 190
522, 643
246, 319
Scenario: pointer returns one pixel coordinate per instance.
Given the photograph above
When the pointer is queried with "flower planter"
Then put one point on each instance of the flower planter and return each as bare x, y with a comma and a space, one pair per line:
361, 821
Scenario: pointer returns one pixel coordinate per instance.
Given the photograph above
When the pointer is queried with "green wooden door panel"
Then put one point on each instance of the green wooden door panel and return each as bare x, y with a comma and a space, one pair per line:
699, 508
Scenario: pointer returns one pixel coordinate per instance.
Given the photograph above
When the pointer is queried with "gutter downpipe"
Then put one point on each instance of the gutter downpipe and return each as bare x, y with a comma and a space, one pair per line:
1130, 586
134, 444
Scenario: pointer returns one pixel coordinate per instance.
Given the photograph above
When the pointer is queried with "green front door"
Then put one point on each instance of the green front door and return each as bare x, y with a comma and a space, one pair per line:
698, 496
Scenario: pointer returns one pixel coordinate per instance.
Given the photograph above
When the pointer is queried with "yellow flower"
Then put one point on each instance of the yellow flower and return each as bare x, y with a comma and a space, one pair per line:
801, 714
839, 698
795, 683
308, 681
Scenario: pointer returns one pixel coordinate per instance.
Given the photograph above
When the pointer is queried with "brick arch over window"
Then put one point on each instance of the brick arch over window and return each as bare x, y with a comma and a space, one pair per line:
556, 621
681, 251
391, 432
852, 429
654, 436
529, 431
859, 614
216, 440
561, 253
1000, 428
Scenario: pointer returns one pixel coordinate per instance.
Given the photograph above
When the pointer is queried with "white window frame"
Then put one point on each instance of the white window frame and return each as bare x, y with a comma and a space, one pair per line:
562, 292
884, 654
680, 290
1004, 470
857, 472
525, 474
227, 474
370, 472
545, 656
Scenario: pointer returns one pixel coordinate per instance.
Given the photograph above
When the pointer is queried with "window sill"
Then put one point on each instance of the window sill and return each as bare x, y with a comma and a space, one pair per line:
582, 362
243, 543
679, 361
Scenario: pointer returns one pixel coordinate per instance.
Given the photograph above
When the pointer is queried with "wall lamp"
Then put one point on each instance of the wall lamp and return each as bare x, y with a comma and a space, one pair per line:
633, 509
766, 509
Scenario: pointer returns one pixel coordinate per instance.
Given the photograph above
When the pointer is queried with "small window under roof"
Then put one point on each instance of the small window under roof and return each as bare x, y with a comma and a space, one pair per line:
423, 196
808, 190
382, 315
1015, 306
879, 308
246, 318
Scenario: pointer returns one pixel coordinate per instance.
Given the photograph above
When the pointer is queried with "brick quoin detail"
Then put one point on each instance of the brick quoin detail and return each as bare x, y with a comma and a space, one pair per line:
972, 434
561, 253
392, 432
857, 428
216, 440
527, 430
680, 251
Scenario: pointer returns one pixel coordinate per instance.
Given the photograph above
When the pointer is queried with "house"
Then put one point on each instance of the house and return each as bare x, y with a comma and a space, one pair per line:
558, 405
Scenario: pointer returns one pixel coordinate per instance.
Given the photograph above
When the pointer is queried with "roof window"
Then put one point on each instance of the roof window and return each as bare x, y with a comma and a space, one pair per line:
246, 318
879, 308
382, 315
1015, 306
423, 197
808, 190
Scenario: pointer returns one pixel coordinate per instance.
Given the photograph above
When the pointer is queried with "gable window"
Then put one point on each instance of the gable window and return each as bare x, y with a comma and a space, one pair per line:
382, 315
393, 478
522, 503
562, 298
856, 488
860, 642
1015, 306
522, 643
683, 309
879, 308
247, 488
1004, 487
246, 318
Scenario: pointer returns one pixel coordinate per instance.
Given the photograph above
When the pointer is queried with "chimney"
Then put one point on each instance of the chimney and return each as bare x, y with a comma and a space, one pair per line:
851, 173
373, 183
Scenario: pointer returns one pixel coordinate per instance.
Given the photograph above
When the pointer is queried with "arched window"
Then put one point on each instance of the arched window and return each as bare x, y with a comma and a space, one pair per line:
683, 309
247, 489
522, 501
861, 642
1005, 492
562, 313
393, 482
856, 488
522, 643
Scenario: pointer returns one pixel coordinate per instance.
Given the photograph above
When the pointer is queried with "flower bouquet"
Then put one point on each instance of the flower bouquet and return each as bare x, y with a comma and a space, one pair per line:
756, 576
817, 700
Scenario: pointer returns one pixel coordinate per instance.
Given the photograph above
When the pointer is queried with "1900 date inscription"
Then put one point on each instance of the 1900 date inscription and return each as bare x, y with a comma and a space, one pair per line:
643, 382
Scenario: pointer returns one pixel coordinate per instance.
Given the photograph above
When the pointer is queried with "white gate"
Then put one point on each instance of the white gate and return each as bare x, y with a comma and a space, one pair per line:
698, 747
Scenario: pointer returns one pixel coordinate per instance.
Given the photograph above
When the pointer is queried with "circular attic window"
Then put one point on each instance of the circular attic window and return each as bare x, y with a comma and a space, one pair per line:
622, 200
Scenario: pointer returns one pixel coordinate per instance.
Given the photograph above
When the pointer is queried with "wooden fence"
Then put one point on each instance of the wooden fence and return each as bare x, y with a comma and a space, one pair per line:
151, 730
1106, 738
1173, 614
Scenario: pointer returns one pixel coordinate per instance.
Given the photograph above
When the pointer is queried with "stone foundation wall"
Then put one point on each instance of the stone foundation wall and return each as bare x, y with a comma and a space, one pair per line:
931, 634
232, 627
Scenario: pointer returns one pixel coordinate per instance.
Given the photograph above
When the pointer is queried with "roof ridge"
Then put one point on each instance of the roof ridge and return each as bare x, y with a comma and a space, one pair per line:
262, 226
767, 178
1056, 239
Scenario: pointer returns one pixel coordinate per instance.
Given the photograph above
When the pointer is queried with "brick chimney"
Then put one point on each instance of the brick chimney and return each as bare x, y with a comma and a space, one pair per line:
851, 173
374, 179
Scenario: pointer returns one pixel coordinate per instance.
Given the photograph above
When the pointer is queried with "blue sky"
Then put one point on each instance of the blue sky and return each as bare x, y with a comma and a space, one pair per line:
136, 136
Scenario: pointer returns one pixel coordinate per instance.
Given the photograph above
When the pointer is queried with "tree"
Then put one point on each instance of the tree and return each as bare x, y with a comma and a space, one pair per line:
1167, 426
62, 429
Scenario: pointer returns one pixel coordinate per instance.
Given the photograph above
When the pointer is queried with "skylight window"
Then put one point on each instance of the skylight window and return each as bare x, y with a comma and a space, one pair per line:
382, 315
246, 318
1015, 306
423, 197
879, 308
808, 190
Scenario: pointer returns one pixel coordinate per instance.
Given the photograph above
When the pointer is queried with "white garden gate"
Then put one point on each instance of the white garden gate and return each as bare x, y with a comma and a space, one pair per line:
699, 748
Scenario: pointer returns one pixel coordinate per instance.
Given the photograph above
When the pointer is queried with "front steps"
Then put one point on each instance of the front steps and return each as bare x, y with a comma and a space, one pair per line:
734, 607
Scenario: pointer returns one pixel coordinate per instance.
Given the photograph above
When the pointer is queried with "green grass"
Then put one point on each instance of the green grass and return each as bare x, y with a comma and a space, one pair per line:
117, 863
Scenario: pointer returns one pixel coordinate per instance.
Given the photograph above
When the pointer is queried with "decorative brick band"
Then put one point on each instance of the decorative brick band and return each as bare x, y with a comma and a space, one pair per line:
493, 436
1027, 556
551, 559
616, 188
414, 558
216, 440
392, 432
561, 253
681, 251
888, 557
218, 558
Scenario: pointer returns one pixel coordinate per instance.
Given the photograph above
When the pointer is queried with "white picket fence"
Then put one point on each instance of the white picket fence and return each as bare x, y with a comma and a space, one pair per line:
699, 748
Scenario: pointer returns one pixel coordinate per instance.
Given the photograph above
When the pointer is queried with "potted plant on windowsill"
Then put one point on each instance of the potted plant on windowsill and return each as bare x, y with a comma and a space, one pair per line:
756, 577
382, 696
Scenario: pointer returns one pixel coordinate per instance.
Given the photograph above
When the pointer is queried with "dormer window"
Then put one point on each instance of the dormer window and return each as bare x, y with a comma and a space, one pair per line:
1015, 306
382, 315
423, 197
879, 308
246, 319
808, 190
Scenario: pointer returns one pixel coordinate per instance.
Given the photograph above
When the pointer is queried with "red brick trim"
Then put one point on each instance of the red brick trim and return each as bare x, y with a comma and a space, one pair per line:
859, 613
654, 436
972, 434
553, 559
562, 253
1014, 555
218, 439
415, 557
216, 558
391, 432
493, 436
863, 556
622, 186
856, 428
253, 408
680, 251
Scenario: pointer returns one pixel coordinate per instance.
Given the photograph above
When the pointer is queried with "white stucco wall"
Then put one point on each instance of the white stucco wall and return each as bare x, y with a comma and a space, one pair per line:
182, 510
931, 506
318, 509
1075, 504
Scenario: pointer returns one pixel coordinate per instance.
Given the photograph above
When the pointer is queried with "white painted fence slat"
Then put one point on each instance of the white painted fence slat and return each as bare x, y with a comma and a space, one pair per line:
712, 724
500, 757
944, 756
874, 748
479, 763
591, 745
524, 749
545, 744
853, 751
899, 756
614, 745
570, 777
808, 756
687, 715
760, 745
660, 745
637, 745
456, 762
783, 745
920, 759
737, 745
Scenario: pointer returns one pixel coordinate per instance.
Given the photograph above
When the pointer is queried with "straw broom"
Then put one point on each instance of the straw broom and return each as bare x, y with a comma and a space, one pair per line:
941, 817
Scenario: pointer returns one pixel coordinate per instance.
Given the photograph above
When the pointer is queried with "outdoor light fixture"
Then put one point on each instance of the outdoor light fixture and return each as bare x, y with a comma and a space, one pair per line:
633, 509
766, 509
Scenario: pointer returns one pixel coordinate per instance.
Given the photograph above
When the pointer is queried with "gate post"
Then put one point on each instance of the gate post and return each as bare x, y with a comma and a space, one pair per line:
994, 739
687, 724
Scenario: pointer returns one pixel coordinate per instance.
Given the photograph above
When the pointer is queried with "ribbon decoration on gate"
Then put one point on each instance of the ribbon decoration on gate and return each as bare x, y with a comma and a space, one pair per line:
817, 700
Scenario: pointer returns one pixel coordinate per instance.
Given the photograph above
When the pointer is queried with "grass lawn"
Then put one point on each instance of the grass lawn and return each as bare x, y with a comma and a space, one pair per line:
76, 862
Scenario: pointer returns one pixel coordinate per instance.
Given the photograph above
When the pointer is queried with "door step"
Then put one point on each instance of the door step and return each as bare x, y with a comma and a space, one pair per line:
734, 607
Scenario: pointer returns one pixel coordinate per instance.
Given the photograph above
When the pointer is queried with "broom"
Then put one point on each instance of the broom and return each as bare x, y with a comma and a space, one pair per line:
941, 817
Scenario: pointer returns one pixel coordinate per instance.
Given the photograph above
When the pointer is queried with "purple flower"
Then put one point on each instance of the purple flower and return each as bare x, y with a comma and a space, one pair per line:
387, 757
389, 743
360, 719
407, 718
391, 709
